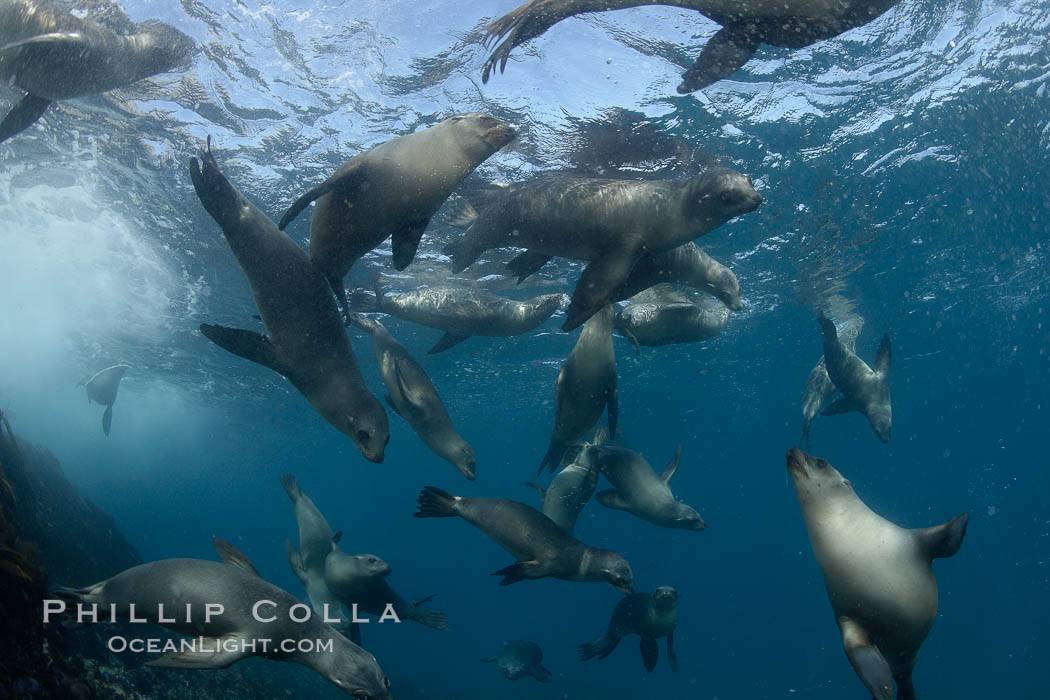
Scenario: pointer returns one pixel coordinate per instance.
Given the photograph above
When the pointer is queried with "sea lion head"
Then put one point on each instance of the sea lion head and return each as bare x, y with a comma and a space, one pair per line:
463, 459
342, 567
354, 670
665, 598
547, 304
814, 478
686, 518
718, 194
354, 412
159, 48
880, 415
615, 570
480, 133
371, 565
726, 287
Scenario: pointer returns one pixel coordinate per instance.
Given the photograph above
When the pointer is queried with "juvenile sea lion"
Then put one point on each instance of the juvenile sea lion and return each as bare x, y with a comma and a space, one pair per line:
610, 223
461, 312
102, 389
650, 616
569, 490
661, 316
252, 610
360, 579
819, 387
315, 542
413, 397
53, 55
790, 24
541, 547
638, 490
863, 389
586, 386
878, 575
305, 339
393, 190
521, 658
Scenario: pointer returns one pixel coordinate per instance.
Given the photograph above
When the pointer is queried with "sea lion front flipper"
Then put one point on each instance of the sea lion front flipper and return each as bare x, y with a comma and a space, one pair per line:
295, 560
883, 357
672, 658
405, 243
866, 659
22, 116
599, 280
945, 539
612, 407
725, 53
843, 404
214, 652
905, 689
634, 341
107, 419
447, 341
390, 402
233, 556
408, 395
650, 653
672, 466
611, 498
519, 571
527, 264
542, 491
247, 344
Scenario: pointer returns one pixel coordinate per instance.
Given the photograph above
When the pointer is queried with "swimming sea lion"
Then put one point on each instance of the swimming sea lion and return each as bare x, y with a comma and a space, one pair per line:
360, 579
660, 316
521, 658
541, 547
569, 491
863, 389
413, 397
650, 616
315, 542
611, 223
393, 190
819, 387
878, 575
305, 339
53, 55
461, 312
586, 386
638, 490
102, 389
252, 610
790, 24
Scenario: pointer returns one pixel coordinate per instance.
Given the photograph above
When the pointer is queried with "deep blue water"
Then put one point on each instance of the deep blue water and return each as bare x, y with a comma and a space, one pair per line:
903, 166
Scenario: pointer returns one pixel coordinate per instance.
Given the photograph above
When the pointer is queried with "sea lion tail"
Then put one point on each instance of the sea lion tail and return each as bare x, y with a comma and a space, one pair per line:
291, 487
435, 503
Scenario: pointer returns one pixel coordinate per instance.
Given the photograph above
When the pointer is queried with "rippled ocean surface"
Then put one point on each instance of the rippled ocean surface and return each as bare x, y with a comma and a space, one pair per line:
903, 166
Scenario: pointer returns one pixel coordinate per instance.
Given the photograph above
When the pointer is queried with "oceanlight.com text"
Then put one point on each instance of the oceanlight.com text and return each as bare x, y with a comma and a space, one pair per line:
206, 645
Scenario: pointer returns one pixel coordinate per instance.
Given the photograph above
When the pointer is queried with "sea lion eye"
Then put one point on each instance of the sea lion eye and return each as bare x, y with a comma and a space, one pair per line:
362, 695
386, 682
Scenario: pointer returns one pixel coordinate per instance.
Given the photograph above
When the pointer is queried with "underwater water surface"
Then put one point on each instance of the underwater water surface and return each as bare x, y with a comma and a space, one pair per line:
903, 167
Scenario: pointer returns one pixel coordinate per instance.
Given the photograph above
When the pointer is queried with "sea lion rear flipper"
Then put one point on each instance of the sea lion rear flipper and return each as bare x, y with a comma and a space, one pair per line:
291, 487
725, 53
599, 280
866, 659
611, 498
527, 264
883, 357
107, 419
22, 116
650, 653
519, 571
843, 404
671, 467
612, 406
405, 242
232, 556
295, 560
348, 180
905, 689
672, 658
214, 652
447, 341
247, 344
945, 539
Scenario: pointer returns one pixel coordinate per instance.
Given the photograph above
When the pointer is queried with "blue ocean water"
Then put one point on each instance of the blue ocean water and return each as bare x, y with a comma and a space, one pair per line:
903, 166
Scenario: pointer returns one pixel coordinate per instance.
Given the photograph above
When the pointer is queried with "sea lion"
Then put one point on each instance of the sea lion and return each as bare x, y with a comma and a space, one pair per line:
863, 389
569, 490
650, 616
315, 542
662, 316
878, 575
360, 580
102, 389
305, 339
252, 610
586, 386
393, 190
521, 658
53, 55
686, 264
541, 547
413, 397
790, 24
610, 223
638, 490
819, 387
461, 312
